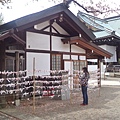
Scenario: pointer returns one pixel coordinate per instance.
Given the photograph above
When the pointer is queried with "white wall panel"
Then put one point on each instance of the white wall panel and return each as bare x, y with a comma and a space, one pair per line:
66, 57
42, 62
92, 68
74, 57
112, 50
69, 67
77, 49
92, 60
59, 29
55, 25
82, 57
41, 25
38, 41
57, 44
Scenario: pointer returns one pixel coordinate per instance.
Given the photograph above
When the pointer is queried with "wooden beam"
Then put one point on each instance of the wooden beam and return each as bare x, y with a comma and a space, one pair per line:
56, 52
45, 28
46, 33
10, 33
72, 25
88, 46
79, 41
4, 36
18, 39
65, 41
56, 30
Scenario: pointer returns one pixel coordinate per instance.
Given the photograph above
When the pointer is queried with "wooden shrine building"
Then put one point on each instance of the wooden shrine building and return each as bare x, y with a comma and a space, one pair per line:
54, 37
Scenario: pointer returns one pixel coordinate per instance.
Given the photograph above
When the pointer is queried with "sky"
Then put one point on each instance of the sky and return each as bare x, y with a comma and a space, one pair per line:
21, 8
24, 7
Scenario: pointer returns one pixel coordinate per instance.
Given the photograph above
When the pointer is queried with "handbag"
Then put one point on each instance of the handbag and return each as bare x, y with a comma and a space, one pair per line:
83, 82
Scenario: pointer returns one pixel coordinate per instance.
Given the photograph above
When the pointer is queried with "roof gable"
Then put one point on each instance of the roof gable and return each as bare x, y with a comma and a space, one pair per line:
49, 14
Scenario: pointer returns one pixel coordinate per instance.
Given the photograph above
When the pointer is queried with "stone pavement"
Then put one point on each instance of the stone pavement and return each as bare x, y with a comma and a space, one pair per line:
104, 107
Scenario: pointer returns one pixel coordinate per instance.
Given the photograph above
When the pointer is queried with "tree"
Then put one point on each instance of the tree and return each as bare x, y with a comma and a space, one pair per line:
96, 7
1, 19
3, 2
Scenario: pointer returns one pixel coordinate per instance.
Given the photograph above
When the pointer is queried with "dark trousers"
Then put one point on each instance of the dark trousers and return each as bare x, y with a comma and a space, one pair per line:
85, 96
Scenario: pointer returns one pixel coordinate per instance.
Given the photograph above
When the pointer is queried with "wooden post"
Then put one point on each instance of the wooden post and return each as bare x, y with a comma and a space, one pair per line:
33, 85
2, 57
99, 75
17, 75
99, 69
98, 78
2, 68
17, 68
50, 45
105, 70
71, 81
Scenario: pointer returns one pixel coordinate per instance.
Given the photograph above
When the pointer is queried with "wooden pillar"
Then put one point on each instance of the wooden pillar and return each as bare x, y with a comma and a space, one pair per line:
99, 67
33, 85
70, 51
17, 61
50, 45
2, 57
2, 68
17, 70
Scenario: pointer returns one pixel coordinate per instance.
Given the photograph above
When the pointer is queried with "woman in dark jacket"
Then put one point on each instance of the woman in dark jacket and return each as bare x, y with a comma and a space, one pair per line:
84, 84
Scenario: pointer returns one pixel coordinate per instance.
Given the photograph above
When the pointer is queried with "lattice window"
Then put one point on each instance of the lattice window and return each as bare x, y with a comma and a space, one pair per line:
79, 64
56, 62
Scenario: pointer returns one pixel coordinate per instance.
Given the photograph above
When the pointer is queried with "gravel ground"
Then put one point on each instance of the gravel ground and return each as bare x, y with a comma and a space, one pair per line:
4, 116
103, 105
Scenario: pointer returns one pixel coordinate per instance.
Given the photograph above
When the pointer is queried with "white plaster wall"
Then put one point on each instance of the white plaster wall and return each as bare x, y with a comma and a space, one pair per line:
66, 57
111, 49
82, 57
41, 25
77, 49
102, 68
42, 62
69, 66
92, 60
55, 25
74, 57
57, 45
60, 29
37, 41
92, 68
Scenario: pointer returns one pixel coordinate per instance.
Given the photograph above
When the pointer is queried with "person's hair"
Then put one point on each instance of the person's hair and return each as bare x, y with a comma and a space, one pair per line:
85, 69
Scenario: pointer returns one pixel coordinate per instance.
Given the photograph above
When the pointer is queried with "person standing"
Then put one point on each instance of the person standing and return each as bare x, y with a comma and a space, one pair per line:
84, 77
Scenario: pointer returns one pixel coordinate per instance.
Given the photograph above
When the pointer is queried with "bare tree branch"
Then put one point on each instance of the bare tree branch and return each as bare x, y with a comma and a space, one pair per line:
89, 11
3, 2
